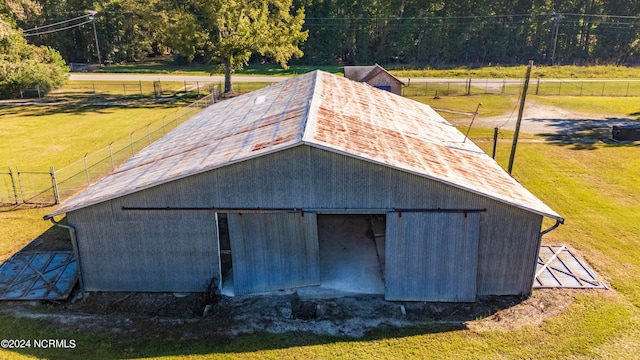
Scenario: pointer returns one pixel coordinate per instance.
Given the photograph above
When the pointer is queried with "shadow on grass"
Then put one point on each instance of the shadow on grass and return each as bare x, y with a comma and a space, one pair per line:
83, 103
53, 239
584, 134
106, 347
133, 325
123, 330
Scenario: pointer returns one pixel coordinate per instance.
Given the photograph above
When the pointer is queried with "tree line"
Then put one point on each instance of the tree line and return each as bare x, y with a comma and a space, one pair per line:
24, 66
418, 32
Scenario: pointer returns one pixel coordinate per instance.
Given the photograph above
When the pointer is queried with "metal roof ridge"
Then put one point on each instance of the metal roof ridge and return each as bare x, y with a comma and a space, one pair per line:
310, 124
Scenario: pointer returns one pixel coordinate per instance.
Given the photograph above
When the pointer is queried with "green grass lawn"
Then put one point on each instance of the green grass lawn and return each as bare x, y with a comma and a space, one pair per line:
167, 65
36, 137
594, 187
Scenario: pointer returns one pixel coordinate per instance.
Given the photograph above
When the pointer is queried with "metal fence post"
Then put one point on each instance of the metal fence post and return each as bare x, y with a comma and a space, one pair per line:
538, 86
124, 89
111, 155
628, 83
54, 182
603, 84
559, 87
13, 184
131, 142
20, 184
140, 83
86, 168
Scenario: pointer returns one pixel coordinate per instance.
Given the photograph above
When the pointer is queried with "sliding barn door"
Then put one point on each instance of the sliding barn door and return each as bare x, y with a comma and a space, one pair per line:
432, 256
273, 251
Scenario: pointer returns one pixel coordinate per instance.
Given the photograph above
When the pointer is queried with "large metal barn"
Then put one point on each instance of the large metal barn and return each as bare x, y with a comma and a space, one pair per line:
276, 189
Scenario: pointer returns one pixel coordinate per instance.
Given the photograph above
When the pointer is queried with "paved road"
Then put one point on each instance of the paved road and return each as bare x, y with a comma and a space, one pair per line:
538, 119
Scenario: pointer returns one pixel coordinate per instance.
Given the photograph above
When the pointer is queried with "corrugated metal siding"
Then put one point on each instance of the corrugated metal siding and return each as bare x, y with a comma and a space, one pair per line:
308, 177
152, 251
273, 251
432, 256
510, 241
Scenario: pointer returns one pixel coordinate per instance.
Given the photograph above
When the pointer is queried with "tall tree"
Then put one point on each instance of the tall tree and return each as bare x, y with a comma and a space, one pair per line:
24, 66
230, 31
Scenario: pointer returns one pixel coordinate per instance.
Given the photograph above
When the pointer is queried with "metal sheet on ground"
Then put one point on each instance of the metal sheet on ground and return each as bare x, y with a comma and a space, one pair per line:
38, 276
559, 267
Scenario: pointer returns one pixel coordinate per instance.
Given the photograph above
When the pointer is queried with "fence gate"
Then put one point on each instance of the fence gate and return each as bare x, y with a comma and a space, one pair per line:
37, 187
8, 189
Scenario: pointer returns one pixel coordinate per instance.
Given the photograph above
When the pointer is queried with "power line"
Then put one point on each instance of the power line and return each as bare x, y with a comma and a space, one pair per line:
54, 24
56, 30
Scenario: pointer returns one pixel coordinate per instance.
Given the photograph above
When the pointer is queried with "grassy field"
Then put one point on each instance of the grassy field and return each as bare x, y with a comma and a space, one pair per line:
36, 137
166, 65
595, 188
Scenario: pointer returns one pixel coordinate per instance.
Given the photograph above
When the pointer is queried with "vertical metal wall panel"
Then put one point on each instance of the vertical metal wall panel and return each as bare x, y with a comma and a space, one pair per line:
508, 251
273, 251
432, 256
339, 181
158, 252
275, 180
307, 177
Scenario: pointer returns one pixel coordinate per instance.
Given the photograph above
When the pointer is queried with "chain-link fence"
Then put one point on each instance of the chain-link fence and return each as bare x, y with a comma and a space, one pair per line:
28, 187
139, 89
49, 188
539, 86
8, 188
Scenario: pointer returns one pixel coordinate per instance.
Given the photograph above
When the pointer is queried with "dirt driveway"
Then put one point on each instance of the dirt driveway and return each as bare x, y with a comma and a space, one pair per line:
556, 122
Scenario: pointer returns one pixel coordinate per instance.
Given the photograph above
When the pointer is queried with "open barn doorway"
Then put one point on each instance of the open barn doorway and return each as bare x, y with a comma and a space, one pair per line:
352, 252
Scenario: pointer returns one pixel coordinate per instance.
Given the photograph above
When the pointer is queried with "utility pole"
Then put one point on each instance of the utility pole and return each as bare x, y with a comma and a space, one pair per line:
471, 124
92, 17
520, 112
556, 26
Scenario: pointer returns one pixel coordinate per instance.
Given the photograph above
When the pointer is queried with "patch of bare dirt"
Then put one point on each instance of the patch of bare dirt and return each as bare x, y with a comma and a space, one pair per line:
198, 315
533, 311
539, 119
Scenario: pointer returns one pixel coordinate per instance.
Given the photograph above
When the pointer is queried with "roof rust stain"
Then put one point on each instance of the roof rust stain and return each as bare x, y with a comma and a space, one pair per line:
349, 117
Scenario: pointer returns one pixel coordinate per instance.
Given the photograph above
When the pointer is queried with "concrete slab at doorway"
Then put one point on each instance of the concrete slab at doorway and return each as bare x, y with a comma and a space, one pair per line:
349, 260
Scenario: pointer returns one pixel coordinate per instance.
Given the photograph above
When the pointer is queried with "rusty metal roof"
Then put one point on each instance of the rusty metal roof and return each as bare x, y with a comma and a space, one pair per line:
325, 111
